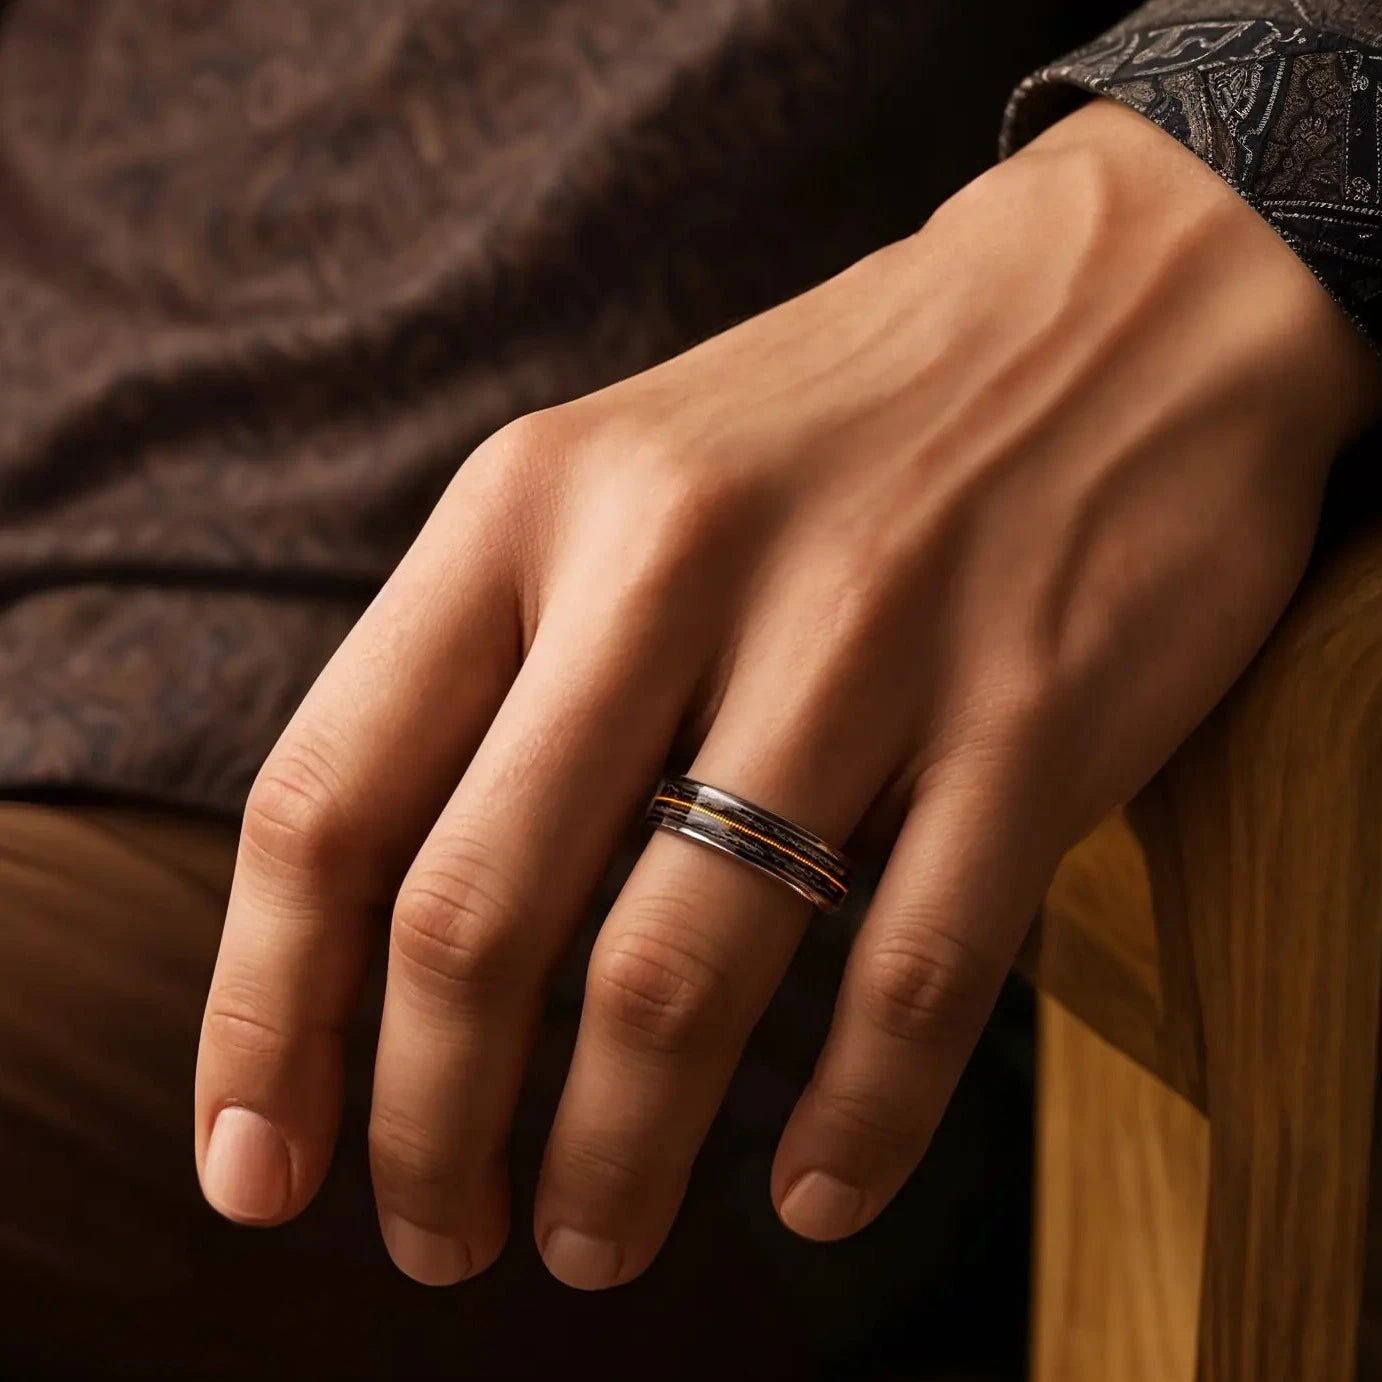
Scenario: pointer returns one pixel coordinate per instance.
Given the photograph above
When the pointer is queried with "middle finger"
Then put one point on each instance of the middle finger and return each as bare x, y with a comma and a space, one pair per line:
497, 888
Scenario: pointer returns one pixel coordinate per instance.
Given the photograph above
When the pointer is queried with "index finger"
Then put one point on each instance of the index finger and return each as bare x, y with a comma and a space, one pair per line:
332, 821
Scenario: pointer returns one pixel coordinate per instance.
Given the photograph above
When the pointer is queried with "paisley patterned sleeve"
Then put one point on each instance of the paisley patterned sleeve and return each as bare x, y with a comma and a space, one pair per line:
1283, 98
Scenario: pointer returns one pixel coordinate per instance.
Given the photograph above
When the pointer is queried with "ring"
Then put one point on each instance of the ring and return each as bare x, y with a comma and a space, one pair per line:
768, 842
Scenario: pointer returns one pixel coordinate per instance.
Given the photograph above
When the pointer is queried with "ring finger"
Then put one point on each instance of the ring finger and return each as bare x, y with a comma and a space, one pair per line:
683, 968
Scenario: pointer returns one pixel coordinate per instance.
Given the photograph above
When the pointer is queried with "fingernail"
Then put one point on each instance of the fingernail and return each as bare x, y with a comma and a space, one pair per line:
577, 1259
819, 1206
431, 1258
245, 1175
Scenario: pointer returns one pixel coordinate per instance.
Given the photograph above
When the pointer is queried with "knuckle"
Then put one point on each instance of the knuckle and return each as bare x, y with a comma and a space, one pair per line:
403, 1153
1004, 737
533, 438
239, 1020
931, 990
602, 1173
512, 476
686, 515
1028, 699
857, 582
293, 816
453, 927
660, 995
864, 1119
690, 502
851, 600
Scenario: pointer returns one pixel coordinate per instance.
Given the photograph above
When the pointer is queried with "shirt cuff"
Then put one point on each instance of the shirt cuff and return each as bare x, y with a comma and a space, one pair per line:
1289, 116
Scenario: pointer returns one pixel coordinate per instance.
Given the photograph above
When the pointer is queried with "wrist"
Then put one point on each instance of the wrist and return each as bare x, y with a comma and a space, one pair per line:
1143, 208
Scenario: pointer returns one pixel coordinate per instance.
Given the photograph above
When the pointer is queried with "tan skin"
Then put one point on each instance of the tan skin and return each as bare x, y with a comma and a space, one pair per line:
958, 545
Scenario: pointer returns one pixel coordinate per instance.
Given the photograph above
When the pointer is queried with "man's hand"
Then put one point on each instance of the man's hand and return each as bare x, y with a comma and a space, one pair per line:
975, 532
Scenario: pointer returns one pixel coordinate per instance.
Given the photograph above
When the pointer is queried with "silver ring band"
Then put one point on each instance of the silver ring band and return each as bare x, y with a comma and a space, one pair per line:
755, 836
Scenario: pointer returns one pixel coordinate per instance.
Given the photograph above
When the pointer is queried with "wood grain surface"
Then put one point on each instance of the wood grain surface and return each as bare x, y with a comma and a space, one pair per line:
1122, 1182
1226, 933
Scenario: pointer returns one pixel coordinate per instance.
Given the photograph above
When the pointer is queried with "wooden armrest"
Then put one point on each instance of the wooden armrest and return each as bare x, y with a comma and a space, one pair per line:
1225, 931
1279, 790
